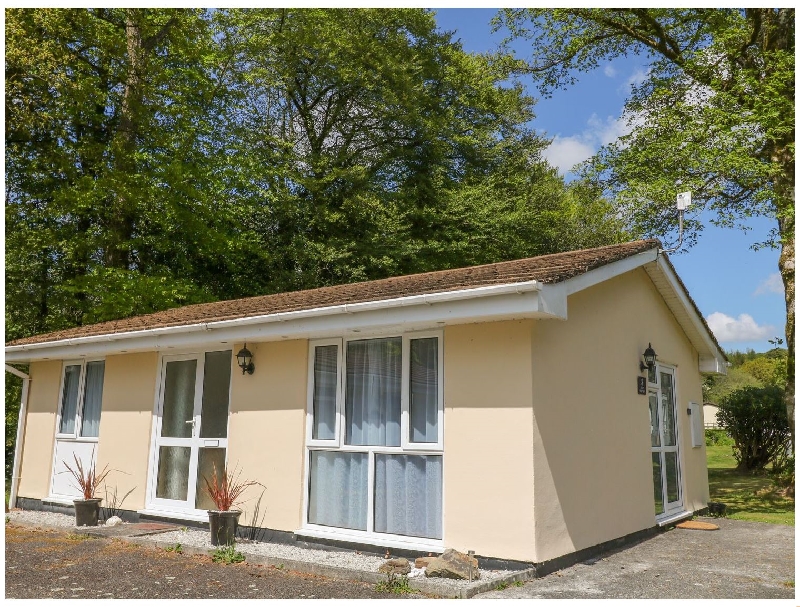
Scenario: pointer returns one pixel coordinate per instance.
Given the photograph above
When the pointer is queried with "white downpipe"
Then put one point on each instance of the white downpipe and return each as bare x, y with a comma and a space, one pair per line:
23, 414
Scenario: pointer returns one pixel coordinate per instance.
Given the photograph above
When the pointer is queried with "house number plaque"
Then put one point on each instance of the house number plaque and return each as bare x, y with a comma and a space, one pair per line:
641, 384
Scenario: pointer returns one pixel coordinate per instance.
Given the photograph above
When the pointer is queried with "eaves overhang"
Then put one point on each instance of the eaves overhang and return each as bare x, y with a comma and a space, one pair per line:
480, 304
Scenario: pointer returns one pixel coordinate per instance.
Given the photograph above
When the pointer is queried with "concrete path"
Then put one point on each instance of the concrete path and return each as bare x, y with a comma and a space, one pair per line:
741, 560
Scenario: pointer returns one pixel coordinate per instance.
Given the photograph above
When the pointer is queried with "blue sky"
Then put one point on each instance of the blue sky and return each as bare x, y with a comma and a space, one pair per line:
738, 290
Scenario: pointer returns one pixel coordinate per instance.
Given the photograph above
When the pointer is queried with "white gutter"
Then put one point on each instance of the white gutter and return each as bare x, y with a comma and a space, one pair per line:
23, 414
412, 300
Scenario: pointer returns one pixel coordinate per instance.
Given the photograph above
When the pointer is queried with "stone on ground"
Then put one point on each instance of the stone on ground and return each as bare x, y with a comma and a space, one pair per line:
399, 566
454, 565
423, 561
113, 521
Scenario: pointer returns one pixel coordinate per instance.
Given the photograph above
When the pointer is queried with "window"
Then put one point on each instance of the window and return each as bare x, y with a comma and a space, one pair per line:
374, 435
81, 399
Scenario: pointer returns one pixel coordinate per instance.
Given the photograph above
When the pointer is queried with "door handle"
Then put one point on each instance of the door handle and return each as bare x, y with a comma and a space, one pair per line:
190, 421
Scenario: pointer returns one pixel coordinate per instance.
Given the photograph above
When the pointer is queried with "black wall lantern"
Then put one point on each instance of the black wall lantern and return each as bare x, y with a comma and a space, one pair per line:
245, 359
649, 358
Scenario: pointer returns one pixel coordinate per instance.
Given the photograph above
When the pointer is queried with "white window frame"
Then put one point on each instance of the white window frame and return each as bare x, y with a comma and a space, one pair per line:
336, 441
405, 417
370, 536
76, 434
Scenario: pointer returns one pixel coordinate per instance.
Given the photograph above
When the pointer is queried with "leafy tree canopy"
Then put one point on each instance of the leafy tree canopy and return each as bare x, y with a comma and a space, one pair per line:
715, 115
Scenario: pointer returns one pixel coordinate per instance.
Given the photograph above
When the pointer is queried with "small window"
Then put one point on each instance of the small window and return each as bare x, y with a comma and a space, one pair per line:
81, 399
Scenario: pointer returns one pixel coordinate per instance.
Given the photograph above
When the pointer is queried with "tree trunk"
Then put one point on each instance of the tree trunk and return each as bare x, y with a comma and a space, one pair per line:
121, 219
784, 194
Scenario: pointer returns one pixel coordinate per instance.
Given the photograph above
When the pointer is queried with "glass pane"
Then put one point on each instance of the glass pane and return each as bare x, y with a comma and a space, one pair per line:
207, 461
671, 465
173, 473
658, 490
651, 374
372, 400
668, 409
179, 399
408, 495
216, 392
424, 391
655, 438
69, 399
92, 398
323, 425
338, 491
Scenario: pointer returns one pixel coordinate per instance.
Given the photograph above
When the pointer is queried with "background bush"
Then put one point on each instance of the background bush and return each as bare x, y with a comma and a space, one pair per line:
717, 436
756, 420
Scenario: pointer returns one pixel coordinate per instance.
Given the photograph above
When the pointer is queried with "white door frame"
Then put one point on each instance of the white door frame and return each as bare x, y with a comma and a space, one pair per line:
195, 442
670, 508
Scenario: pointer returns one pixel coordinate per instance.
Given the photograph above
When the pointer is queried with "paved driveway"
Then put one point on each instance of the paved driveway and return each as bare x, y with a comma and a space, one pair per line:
742, 560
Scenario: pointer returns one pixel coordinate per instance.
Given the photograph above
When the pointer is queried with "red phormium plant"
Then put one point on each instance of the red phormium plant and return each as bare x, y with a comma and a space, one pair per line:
88, 480
225, 489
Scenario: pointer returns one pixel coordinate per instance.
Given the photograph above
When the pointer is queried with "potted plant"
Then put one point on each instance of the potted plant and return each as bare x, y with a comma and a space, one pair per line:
87, 510
225, 488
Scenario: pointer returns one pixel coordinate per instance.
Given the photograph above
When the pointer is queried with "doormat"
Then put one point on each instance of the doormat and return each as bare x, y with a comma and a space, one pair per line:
700, 525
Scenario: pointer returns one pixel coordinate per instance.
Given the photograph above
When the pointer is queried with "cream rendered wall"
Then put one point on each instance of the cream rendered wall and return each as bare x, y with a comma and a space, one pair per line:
592, 466
126, 419
39, 438
488, 433
266, 431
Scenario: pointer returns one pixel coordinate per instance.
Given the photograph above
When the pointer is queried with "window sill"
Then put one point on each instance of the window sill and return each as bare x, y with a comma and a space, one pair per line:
374, 539
200, 517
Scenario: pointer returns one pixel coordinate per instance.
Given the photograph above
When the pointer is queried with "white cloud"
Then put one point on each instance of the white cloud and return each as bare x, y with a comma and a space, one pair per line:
772, 284
609, 71
744, 328
638, 76
566, 152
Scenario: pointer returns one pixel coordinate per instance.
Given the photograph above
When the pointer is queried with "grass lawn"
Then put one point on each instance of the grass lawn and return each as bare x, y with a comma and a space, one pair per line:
748, 497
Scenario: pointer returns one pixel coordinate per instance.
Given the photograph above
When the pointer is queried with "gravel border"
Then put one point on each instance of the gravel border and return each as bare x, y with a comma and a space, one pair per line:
340, 564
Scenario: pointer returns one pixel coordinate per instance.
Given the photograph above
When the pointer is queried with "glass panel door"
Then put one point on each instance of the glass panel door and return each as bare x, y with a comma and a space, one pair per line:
664, 442
191, 430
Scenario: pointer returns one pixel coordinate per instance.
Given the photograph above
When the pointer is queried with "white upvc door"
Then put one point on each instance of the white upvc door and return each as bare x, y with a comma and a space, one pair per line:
187, 447
666, 461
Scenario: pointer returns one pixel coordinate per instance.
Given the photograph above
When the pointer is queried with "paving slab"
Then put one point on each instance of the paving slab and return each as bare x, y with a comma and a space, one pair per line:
128, 529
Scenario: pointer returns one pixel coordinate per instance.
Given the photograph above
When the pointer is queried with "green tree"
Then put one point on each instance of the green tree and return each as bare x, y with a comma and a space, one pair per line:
112, 156
715, 114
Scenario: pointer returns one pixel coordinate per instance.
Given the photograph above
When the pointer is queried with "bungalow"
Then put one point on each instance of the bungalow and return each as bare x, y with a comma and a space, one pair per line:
525, 410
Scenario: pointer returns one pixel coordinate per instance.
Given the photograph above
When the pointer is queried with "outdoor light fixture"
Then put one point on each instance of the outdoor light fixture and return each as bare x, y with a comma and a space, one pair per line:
245, 359
649, 358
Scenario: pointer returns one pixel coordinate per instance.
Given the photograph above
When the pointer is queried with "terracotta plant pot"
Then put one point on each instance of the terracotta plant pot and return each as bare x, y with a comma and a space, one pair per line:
87, 512
222, 524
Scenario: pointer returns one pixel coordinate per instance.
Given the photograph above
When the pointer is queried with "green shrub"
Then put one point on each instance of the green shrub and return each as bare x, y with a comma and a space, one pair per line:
228, 555
717, 436
756, 420
396, 584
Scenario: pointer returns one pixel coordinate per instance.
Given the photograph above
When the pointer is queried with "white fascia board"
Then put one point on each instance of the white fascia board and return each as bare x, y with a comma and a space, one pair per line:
712, 360
481, 304
606, 272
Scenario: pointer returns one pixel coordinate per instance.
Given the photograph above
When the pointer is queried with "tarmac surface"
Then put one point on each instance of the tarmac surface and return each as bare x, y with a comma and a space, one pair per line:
742, 560
47, 564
